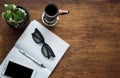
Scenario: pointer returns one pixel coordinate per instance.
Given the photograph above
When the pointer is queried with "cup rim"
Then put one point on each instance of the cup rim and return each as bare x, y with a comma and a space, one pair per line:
57, 12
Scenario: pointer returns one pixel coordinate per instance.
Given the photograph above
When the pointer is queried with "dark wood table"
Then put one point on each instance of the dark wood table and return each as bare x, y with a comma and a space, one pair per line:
92, 28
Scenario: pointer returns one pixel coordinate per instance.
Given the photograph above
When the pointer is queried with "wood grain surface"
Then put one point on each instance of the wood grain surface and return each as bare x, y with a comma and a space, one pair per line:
92, 28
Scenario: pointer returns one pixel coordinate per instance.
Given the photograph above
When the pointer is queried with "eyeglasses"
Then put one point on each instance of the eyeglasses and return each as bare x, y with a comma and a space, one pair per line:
46, 50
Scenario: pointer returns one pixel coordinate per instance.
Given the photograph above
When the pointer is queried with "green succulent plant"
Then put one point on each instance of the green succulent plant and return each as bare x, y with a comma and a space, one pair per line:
13, 14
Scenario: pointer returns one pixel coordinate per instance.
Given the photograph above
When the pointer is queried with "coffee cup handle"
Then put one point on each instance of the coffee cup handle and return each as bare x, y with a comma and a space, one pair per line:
63, 12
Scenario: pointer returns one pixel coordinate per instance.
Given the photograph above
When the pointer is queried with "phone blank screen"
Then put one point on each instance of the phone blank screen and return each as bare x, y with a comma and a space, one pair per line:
17, 71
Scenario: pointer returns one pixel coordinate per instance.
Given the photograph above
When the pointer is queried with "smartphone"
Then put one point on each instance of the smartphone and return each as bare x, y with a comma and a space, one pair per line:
15, 70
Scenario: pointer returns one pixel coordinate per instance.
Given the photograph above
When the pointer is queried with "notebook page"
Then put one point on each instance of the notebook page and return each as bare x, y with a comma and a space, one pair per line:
26, 43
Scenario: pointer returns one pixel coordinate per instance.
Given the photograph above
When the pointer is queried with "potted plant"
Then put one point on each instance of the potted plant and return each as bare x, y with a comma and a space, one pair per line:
15, 16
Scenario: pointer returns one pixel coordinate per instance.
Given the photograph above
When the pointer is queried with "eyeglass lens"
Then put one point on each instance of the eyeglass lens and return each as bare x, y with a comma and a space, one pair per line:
47, 51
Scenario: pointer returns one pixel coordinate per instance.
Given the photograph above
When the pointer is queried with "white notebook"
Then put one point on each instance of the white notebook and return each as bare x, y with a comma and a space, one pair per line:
26, 44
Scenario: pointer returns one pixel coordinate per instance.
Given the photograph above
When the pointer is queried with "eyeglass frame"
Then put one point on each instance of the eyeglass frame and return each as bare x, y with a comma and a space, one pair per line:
42, 40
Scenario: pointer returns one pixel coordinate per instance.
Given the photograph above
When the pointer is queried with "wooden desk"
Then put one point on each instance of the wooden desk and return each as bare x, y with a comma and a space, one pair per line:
92, 29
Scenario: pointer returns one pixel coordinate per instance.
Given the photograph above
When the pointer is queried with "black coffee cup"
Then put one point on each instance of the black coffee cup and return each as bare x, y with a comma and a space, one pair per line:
51, 14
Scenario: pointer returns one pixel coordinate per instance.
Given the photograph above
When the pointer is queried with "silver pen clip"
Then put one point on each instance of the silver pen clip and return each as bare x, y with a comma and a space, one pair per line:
31, 58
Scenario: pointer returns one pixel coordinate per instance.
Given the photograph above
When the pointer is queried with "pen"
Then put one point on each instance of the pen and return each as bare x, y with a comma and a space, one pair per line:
29, 57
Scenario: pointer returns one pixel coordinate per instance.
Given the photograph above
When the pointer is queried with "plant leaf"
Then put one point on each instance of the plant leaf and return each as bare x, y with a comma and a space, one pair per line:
9, 7
13, 23
17, 18
20, 14
7, 16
